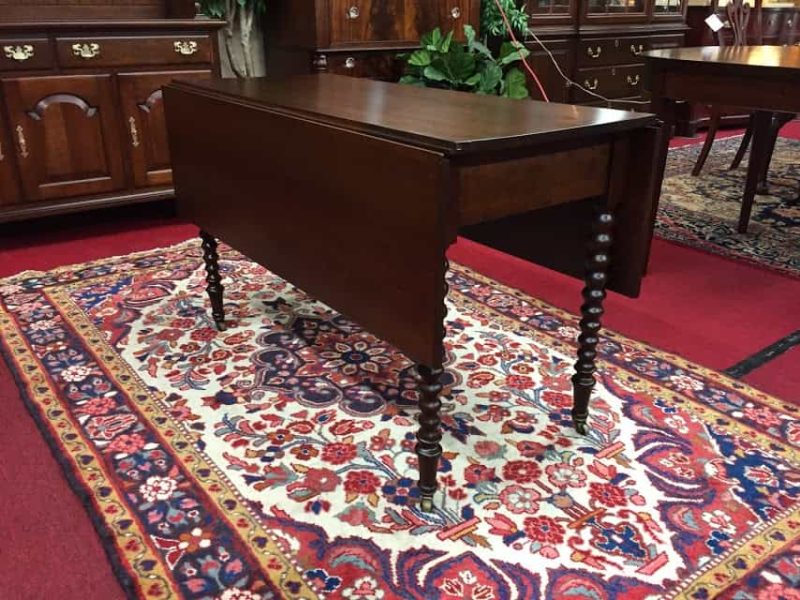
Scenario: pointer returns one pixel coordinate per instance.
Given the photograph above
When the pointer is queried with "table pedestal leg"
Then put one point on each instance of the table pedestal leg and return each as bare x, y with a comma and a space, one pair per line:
592, 309
758, 154
429, 435
213, 279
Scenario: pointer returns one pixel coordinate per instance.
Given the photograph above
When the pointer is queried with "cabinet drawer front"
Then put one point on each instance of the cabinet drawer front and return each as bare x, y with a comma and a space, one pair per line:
613, 82
374, 65
92, 51
656, 42
611, 51
366, 21
25, 53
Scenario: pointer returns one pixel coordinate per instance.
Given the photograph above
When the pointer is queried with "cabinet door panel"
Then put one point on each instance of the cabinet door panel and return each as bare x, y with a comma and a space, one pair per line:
143, 113
9, 192
66, 134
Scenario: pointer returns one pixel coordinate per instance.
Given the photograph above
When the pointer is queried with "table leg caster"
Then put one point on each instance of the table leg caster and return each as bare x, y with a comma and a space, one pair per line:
426, 504
580, 423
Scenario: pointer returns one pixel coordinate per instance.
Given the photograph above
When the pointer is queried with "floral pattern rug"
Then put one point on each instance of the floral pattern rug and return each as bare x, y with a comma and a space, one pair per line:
275, 460
703, 211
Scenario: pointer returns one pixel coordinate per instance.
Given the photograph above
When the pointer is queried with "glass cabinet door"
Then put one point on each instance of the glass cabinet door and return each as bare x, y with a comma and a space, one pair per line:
662, 8
541, 8
596, 8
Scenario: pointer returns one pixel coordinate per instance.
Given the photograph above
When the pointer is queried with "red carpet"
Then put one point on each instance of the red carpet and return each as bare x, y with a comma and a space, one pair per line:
706, 308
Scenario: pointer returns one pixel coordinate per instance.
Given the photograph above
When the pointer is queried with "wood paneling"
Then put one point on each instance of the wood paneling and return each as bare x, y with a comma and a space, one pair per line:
67, 135
9, 184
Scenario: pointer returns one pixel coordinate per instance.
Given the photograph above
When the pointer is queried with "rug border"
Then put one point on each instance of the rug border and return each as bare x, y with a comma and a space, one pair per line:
102, 529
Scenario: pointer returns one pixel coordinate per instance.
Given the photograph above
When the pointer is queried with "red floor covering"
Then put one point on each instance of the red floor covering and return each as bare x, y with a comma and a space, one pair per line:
709, 309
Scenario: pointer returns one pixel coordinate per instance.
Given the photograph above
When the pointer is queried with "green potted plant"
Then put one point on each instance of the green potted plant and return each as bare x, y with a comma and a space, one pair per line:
443, 63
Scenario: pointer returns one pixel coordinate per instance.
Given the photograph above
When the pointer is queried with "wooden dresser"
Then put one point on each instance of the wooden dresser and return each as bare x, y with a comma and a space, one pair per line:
81, 117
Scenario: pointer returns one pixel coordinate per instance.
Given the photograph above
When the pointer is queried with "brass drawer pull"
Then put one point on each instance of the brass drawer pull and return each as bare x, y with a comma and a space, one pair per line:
590, 85
350, 63
634, 80
134, 132
86, 51
18, 53
594, 53
637, 50
185, 48
353, 12
455, 13
23, 143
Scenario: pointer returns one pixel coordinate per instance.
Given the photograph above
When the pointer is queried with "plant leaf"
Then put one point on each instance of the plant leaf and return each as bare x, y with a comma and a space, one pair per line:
434, 74
511, 52
420, 58
412, 80
491, 76
515, 85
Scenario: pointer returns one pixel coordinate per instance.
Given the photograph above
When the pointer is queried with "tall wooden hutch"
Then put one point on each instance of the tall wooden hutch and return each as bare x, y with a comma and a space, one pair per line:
81, 117
596, 42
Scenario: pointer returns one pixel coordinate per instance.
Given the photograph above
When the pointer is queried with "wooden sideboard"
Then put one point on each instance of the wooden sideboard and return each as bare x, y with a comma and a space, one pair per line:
81, 116
595, 42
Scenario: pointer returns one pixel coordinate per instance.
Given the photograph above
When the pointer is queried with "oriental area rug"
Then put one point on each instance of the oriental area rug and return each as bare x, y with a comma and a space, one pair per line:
275, 460
703, 211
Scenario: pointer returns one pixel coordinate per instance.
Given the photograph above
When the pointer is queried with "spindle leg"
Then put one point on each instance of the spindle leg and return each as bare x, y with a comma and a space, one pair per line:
213, 279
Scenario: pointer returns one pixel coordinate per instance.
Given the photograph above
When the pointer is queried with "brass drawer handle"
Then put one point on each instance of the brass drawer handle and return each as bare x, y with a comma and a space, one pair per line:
353, 12
634, 80
455, 13
637, 50
185, 48
590, 85
23, 143
86, 51
18, 53
134, 132
594, 53
350, 63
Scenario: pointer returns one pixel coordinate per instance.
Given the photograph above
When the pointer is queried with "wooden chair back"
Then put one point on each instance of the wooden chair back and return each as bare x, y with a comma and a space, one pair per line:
739, 17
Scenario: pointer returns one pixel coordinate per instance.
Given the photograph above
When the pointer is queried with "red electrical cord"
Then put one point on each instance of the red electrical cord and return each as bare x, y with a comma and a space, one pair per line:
522, 56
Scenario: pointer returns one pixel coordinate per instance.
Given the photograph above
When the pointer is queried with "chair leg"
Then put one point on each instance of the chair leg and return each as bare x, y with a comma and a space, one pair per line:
774, 128
713, 126
748, 135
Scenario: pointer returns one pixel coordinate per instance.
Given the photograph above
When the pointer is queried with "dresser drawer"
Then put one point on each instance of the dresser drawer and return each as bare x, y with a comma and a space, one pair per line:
96, 51
611, 51
25, 53
656, 42
612, 82
373, 65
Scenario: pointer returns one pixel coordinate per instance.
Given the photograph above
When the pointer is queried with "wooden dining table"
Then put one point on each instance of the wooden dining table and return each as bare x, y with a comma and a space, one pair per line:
764, 79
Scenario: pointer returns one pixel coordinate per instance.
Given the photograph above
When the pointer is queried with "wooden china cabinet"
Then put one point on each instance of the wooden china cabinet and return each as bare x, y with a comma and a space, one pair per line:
356, 37
597, 44
81, 117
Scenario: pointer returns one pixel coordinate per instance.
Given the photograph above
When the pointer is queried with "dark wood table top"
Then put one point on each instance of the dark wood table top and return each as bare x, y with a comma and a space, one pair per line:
440, 120
757, 60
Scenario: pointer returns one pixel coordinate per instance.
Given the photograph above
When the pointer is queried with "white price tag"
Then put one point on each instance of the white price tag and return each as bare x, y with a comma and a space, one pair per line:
714, 23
